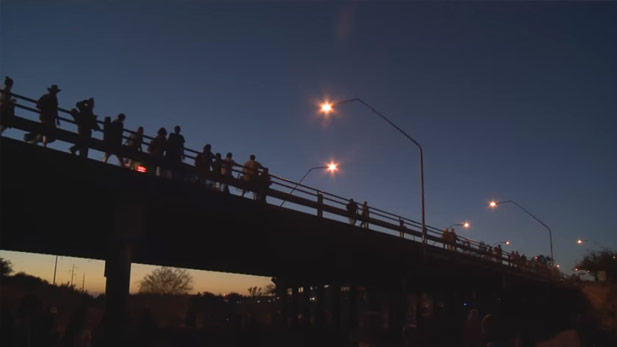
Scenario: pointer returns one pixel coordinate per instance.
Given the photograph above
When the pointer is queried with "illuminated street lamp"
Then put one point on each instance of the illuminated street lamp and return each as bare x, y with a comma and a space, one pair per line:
583, 241
328, 107
331, 167
465, 225
507, 243
495, 204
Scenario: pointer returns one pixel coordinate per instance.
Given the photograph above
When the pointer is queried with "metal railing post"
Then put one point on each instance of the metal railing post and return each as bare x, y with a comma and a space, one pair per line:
402, 231
319, 205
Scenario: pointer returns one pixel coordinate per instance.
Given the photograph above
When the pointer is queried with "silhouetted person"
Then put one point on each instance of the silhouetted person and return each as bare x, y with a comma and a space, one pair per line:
498, 253
174, 153
226, 171
113, 134
217, 166
453, 239
7, 105
86, 122
352, 211
157, 147
263, 183
249, 174
133, 145
203, 163
445, 237
364, 215
48, 106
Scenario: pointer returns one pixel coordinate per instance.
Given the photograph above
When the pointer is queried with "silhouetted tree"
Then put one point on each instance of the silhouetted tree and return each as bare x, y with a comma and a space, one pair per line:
166, 280
604, 260
6, 268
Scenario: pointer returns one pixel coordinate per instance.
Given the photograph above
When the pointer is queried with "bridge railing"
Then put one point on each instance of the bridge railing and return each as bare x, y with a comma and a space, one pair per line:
326, 205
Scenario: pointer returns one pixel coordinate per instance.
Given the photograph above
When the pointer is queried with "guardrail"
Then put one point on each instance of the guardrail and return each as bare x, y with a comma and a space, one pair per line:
326, 205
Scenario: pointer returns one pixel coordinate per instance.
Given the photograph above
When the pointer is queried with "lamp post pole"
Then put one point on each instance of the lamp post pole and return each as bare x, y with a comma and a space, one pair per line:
326, 109
302, 179
494, 204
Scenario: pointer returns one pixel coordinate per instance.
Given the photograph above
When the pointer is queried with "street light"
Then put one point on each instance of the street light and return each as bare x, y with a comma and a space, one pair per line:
507, 243
328, 107
332, 167
465, 225
582, 241
494, 204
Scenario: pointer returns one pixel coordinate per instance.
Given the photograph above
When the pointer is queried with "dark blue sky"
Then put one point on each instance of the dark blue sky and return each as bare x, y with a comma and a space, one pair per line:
509, 100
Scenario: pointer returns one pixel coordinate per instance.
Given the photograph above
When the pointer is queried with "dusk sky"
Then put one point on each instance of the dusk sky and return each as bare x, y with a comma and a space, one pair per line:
510, 101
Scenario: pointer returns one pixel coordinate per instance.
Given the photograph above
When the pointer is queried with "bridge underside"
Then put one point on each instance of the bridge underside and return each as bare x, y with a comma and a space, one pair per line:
55, 203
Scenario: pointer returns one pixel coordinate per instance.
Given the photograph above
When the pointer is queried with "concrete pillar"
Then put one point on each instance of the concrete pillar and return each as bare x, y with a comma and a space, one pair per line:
353, 307
321, 306
295, 303
306, 306
128, 225
335, 305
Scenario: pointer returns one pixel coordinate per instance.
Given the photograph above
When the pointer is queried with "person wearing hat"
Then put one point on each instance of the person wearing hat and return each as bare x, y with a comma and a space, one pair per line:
48, 106
7, 105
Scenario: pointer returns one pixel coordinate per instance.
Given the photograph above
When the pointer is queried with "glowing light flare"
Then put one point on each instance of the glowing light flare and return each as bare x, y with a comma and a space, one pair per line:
575, 269
492, 204
141, 169
579, 241
326, 107
466, 225
508, 243
557, 266
332, 167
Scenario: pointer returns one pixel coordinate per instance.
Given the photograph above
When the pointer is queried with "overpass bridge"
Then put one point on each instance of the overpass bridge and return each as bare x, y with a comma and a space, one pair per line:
56, 203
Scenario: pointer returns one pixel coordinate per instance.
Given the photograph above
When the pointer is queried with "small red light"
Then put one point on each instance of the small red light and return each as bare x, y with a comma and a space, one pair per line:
141, 169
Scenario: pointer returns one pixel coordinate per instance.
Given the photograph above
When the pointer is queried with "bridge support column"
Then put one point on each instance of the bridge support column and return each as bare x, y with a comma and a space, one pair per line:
306, 306
128, 224
335, 305
295, 303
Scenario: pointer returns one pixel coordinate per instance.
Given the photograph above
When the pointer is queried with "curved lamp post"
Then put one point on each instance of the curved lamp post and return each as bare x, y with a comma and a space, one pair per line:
332, 167
329, 107
494, 204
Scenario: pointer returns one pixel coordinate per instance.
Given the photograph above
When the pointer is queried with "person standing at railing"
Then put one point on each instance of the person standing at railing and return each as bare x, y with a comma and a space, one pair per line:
86, 122
133, 145
113, 138
48, 106
352, 211
249, 175
263, 183
498, 253
451, 239
7, 105
203, 163
217, 166
226, 171
364, 216
157, 147
174, 154
445, 237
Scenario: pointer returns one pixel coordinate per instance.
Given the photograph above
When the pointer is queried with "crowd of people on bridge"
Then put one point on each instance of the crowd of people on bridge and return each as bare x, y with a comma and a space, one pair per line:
166, 154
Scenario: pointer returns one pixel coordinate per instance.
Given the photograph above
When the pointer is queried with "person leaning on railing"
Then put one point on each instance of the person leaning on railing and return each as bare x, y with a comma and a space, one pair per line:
7, 105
